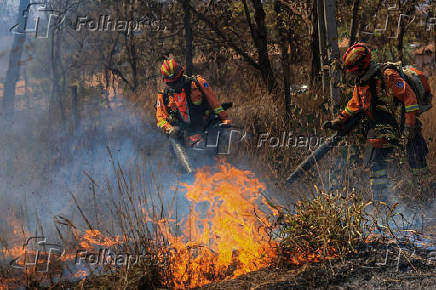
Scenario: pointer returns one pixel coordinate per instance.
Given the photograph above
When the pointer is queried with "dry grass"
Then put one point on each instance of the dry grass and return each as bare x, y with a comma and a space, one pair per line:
327, 226
136, 207
334, 226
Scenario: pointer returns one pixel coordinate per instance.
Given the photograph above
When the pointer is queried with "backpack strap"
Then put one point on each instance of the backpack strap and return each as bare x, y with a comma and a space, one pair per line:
166, 96
197, 83
188, 89
380, 114
194, 79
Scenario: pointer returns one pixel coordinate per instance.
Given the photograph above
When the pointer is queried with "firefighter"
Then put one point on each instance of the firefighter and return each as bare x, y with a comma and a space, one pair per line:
391, 108
187, 103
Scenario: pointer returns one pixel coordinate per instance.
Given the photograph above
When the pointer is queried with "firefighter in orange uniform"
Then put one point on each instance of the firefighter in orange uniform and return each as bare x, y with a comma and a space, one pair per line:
187, 103
391, 108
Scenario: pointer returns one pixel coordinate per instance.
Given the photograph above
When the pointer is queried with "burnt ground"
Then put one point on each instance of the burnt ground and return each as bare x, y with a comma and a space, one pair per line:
408, 263
376, 266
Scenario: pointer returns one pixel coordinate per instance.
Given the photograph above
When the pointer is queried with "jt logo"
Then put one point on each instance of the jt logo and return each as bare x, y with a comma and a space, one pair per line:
43, 18
222, 140
393, 14
37, 255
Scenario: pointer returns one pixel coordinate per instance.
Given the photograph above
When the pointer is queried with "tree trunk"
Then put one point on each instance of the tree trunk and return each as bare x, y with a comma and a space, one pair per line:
333, 52
188, 36
321, 41
400, 40
316, 56
431, 15
260, 39
400, 43
130, 43
263, 65
227, 40
26, 88
56, 106
434, 43
409, 12
354, 23
284, 45
108, 72
13, 72
262, 44
75, 106
132, 58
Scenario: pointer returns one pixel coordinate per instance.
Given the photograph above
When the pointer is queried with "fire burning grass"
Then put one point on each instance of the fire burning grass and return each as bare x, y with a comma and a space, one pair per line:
225, 234
229, 238
231, 229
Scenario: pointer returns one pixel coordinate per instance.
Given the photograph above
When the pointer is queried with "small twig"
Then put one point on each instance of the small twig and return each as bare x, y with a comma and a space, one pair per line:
81, 212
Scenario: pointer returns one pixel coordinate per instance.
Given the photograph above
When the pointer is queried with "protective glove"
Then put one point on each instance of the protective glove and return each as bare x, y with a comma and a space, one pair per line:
335, 124
409, 133
174, 131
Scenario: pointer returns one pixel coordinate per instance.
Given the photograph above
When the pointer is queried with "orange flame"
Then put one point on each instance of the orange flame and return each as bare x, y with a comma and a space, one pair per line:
96, 238
17, 236
227, 239
224, 236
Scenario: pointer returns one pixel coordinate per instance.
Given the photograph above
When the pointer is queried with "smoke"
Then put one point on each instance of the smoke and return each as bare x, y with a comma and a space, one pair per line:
42, 165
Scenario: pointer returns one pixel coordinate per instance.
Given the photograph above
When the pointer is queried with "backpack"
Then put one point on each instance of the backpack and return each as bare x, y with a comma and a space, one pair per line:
196, 112
417, 81
167, 91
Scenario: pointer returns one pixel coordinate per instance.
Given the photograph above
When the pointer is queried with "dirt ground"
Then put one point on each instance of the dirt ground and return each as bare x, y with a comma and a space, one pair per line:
407, 263
377, 266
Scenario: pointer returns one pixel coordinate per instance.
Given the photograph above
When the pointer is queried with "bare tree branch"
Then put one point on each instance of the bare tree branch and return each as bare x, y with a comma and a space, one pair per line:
220, 34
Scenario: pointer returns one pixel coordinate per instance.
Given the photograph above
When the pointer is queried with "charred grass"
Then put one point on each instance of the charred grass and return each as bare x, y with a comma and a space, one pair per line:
337, 241
364, 270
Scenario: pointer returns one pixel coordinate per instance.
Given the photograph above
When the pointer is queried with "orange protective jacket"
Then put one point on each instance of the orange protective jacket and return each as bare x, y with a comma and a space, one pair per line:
177, 103
395, 87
